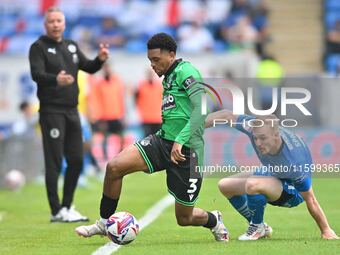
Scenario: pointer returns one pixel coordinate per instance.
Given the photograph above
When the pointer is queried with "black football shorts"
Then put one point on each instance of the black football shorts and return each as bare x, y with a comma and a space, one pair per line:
183, 182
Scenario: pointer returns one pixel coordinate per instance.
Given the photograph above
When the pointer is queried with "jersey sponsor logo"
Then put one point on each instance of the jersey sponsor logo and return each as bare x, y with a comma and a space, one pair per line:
188, 82
52, 50
72, 48
54, 133
168, 102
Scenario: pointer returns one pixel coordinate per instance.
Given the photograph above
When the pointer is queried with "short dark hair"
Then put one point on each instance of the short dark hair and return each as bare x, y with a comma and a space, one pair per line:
162, 41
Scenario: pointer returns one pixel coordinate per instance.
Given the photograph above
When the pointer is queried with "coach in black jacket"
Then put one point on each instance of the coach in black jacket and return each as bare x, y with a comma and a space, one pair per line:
54, 63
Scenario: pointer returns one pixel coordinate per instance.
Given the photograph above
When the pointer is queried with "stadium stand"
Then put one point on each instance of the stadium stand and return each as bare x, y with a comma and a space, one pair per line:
332, 28
128, 24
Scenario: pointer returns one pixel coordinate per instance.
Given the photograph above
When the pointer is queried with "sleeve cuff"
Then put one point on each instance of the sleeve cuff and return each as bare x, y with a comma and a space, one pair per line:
180, 140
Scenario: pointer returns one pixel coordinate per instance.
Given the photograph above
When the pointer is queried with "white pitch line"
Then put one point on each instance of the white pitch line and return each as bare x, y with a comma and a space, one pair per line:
151, 215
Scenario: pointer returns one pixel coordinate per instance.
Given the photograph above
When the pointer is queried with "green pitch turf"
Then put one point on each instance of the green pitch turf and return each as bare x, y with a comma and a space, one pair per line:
25, 227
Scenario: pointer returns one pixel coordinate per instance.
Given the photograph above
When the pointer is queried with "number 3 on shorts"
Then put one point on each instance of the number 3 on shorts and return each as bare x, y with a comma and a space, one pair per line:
193, 186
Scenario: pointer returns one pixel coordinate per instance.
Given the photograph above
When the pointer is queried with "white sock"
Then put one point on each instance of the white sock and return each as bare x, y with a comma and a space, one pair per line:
104, 221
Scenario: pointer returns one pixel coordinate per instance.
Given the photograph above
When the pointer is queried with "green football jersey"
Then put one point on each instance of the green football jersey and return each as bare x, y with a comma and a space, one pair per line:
182, 120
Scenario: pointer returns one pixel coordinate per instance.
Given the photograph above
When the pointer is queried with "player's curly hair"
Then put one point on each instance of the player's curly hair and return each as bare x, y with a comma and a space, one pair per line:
162, 41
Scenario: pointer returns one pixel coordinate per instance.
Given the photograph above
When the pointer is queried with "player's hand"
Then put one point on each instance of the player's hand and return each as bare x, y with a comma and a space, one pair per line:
64, 79
104, 52
176, 154
329, 234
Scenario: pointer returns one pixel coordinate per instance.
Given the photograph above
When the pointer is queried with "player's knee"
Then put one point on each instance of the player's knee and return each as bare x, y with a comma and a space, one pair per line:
184, 220
113, 169
224, 187
253, 186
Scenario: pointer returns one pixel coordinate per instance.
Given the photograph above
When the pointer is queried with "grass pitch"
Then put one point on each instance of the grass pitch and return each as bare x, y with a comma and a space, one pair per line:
25, 227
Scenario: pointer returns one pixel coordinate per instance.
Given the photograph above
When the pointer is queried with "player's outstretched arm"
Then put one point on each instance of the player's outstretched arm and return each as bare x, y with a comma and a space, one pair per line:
319, 216
220, 116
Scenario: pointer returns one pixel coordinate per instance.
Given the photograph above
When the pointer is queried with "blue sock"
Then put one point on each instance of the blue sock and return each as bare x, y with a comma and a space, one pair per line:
240, 203
256, 204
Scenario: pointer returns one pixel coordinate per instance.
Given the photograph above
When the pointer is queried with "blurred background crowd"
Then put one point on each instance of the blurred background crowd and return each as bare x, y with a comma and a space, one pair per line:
332, 28
198, 25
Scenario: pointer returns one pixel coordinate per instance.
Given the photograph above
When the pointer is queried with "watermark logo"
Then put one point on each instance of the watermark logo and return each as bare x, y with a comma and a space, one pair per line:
256, 123
288, 96
215, 97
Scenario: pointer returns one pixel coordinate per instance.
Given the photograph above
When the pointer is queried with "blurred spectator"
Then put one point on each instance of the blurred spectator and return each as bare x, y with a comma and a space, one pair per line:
239, 8
259, 16
333, 39
246, 25
242, 35
89, 158
194, 37
110, 33
22, 37
192, 11
216, 12
142, 18
149, 102
173, 14
83, 108
127, 25
110, 100
84, 36
26, 124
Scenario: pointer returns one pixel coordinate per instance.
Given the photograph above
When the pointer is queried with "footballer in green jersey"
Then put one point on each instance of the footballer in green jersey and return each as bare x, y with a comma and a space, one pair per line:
177, 148
182, 120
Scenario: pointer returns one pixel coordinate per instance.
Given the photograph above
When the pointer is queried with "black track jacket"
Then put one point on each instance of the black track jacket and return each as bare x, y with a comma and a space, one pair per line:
47, 58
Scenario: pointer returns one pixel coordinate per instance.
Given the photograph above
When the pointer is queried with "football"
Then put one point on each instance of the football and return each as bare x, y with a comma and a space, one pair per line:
14, 180
122, 228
